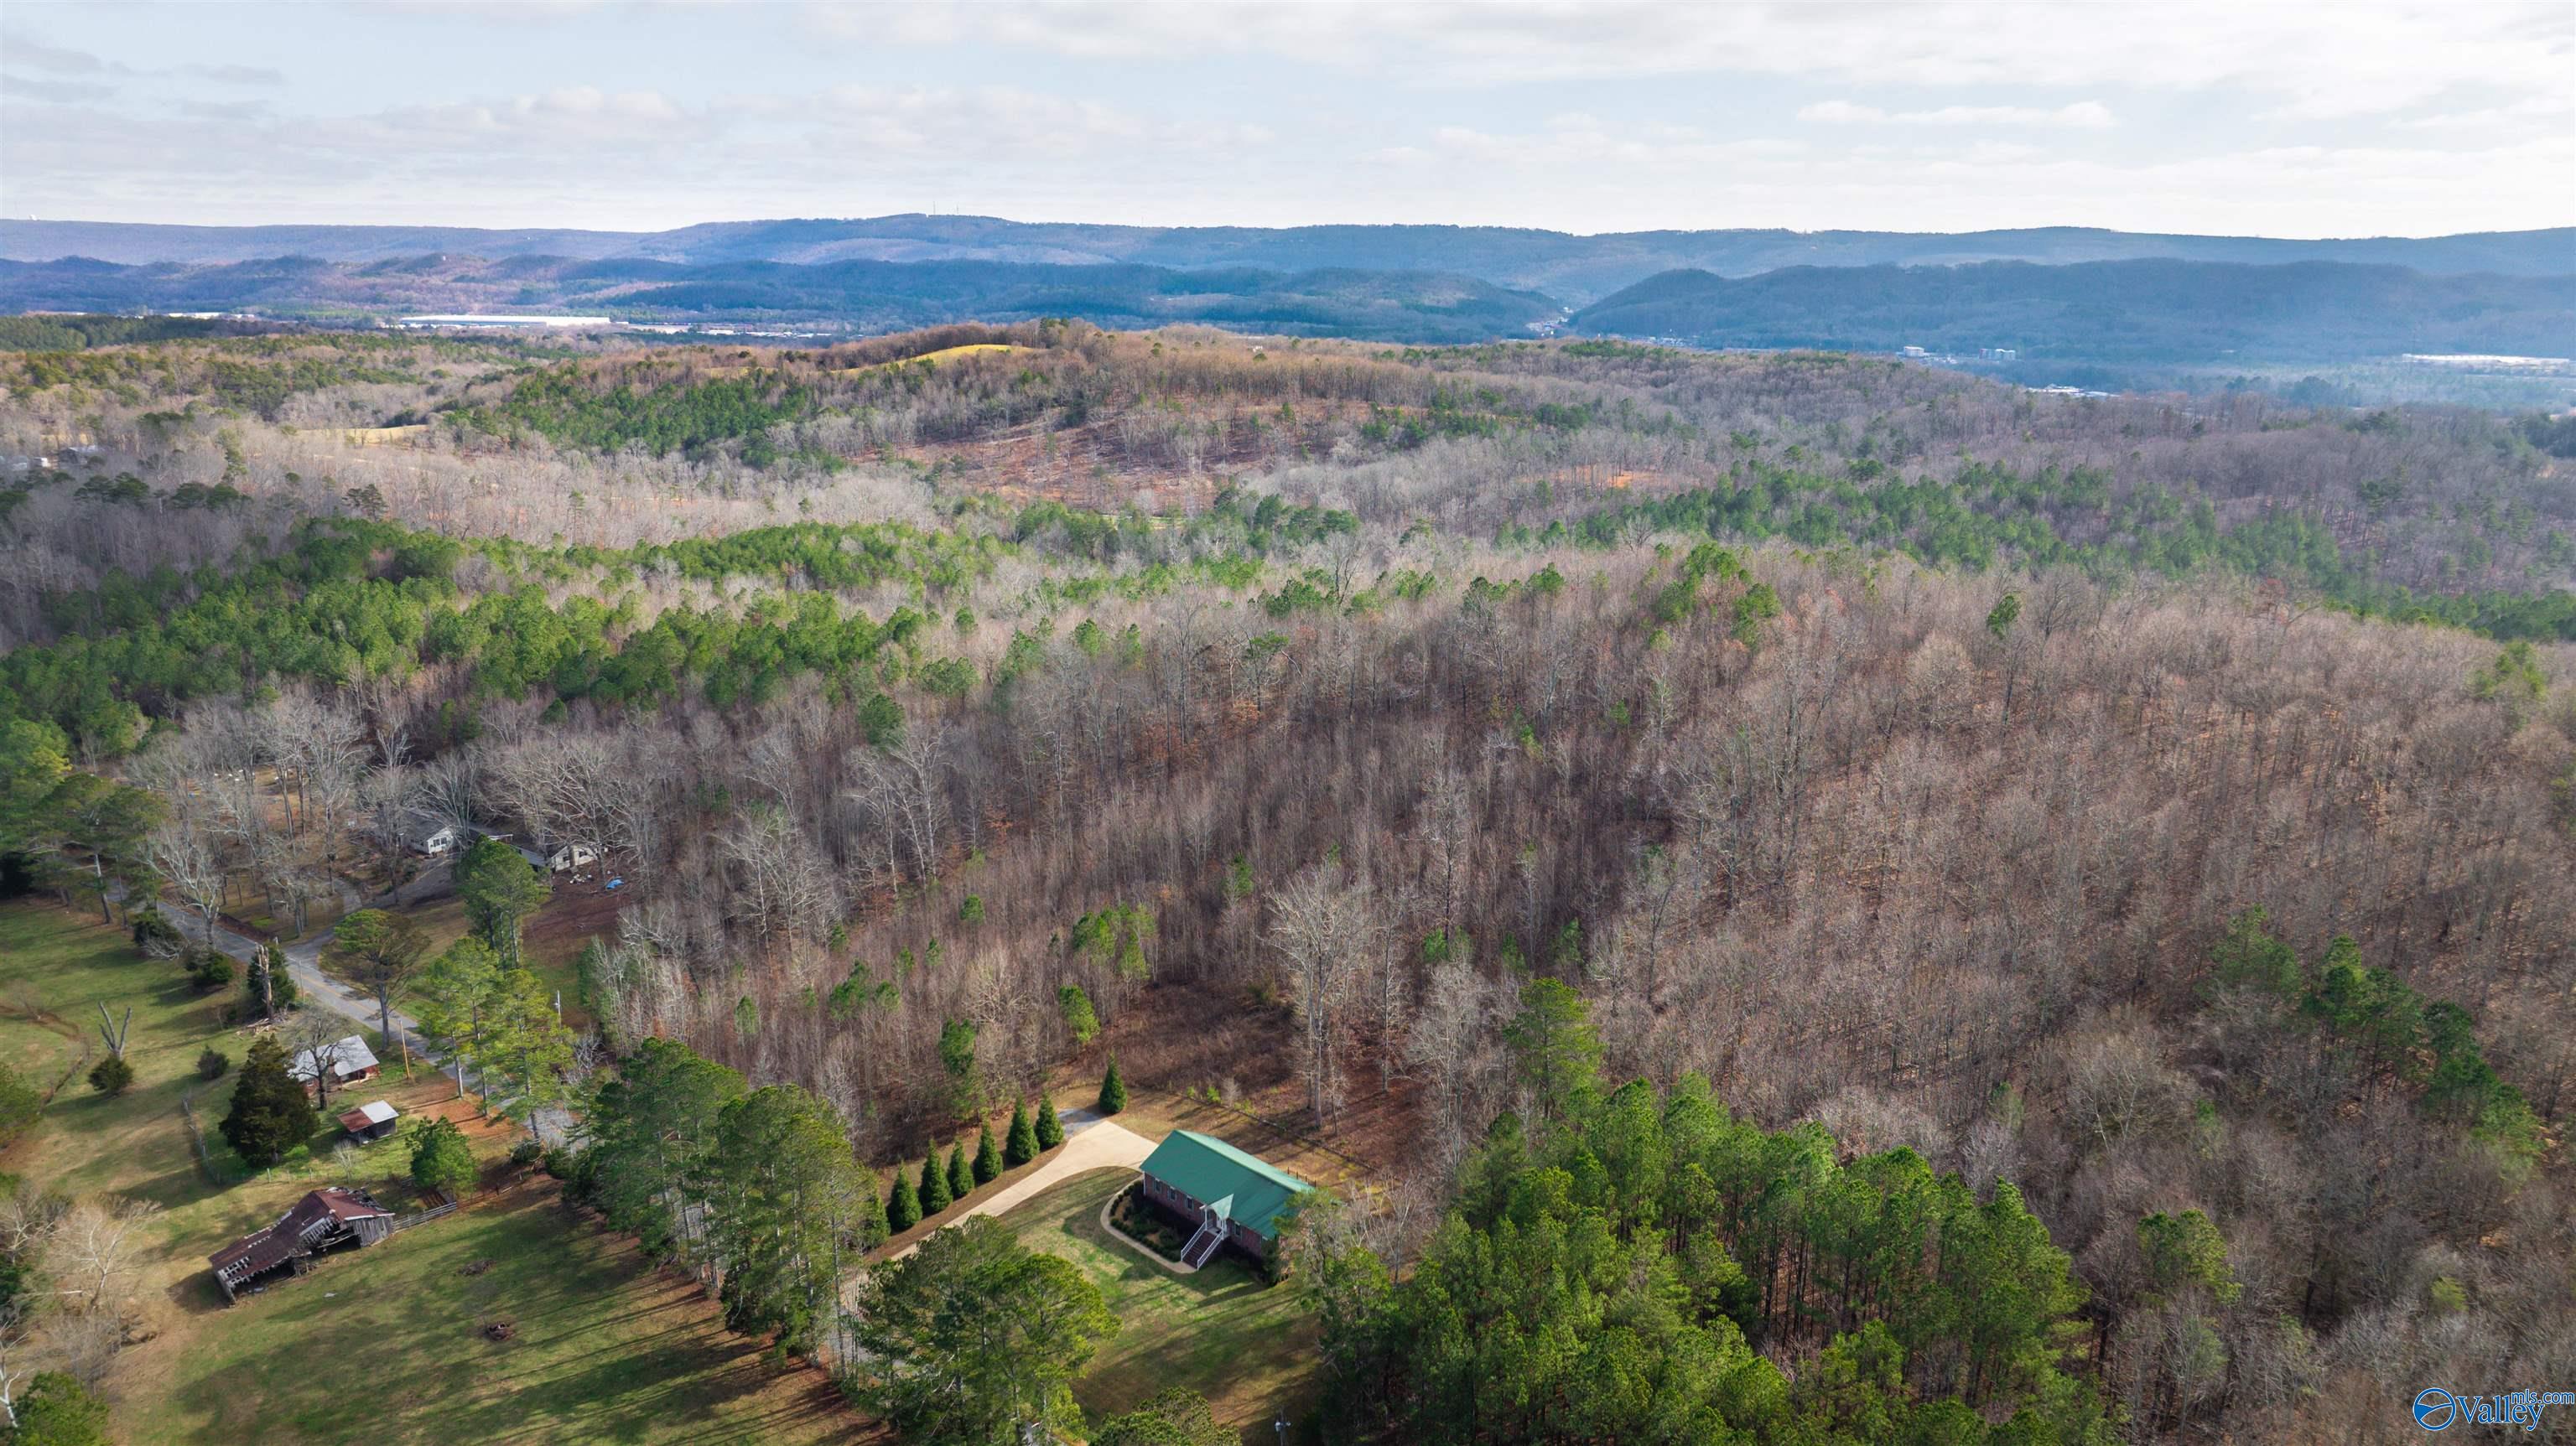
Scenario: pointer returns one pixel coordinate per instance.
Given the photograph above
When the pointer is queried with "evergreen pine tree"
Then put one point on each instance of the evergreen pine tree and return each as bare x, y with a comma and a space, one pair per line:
903, 1204
55, 1409
111, 1075
1113, 1090
442, 1159
1050, 1129
1021, 1145
872, 1219
961, 1173
271, 1114
988, 1159
934, 1187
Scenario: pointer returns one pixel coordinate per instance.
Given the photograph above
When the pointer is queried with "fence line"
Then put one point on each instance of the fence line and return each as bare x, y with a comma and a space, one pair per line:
197, 1139
446, 1206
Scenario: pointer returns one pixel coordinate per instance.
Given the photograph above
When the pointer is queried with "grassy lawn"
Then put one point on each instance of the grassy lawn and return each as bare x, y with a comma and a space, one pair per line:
1221, 1332
56, 968
382, 1345
388, 1345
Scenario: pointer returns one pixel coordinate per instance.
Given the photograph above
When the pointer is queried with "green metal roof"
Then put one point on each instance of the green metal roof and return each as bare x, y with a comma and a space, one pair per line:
1209, 1170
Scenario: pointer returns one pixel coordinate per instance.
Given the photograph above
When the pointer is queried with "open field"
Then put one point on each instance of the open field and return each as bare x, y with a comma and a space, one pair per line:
388, 1345
382, 1344
1222, 1331
56, 968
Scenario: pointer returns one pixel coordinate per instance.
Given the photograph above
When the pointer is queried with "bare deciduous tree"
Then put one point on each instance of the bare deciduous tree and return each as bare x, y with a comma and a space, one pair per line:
1320, 925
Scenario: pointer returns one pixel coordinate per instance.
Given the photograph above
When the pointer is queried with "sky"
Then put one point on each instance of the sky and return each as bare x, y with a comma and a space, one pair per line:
2250, 117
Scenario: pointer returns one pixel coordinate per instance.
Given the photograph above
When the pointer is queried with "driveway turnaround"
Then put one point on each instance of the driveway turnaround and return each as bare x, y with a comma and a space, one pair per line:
1091, 1142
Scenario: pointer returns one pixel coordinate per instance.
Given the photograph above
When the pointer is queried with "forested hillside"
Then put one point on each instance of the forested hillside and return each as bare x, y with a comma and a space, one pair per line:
861, 296
2105, 311
1856, 904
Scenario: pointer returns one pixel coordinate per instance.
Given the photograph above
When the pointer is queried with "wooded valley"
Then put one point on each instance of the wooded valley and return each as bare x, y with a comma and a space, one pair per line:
1834, 901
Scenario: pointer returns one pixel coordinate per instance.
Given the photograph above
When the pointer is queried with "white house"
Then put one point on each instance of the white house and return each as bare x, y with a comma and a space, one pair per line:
556, 856
432, 836
429, 834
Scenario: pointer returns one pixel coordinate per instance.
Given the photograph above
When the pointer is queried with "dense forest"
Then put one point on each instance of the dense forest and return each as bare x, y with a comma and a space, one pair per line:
1886, 907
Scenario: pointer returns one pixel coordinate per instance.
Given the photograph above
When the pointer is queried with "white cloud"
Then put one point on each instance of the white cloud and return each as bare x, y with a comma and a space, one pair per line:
1615, 116
61, 60
31, 88
2362, 57
236, 74
2560, 108
1841, 113
2082, 115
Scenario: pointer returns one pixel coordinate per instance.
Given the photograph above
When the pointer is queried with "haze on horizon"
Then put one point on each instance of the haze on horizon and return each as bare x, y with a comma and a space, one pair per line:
2222, 119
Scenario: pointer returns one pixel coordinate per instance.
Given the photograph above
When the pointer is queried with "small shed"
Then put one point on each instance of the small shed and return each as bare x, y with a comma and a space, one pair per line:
325, 1219
1237, 1198
350, 1061
373, 1120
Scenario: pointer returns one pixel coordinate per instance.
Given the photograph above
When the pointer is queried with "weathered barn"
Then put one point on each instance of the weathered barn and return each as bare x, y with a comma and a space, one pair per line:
325, 1219
1237, 1199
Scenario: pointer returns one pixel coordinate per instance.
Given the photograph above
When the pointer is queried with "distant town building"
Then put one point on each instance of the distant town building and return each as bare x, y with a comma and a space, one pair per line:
2486, 362
1917, 352
483, 321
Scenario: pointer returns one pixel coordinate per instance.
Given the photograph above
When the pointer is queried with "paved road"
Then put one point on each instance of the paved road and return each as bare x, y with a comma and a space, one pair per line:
304, 965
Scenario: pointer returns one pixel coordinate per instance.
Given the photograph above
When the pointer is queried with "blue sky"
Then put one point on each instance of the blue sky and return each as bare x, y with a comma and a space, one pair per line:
2246, 117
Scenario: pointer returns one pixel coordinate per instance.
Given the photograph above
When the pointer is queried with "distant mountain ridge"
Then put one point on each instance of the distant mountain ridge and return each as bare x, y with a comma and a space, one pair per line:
2104, 311
1577, 268
867, 296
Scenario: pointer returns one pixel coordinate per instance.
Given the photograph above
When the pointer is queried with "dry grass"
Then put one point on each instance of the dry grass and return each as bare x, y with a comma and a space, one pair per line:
946, 353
